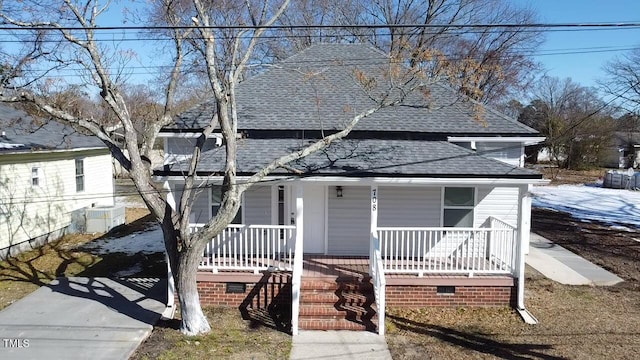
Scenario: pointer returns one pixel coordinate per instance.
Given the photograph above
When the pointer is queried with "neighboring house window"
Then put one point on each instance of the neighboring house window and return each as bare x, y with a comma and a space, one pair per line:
281, 207
35, 176
79, 175
458, 207
216, 200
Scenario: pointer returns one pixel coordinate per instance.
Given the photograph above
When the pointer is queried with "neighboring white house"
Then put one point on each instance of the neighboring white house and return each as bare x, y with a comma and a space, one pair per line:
48, 174
624, 151
429, 197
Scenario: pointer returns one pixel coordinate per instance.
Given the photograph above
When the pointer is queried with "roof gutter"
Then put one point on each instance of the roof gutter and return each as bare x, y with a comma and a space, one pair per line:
55, 151
404, 181
526, 140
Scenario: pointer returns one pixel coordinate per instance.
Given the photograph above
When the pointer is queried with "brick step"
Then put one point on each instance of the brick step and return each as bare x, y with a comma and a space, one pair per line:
335, 324
336, 285
339, 311
332, 298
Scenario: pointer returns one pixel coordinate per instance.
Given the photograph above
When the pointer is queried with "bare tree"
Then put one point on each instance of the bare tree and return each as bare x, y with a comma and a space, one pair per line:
199, 46
493, 63
623, 80
576, 122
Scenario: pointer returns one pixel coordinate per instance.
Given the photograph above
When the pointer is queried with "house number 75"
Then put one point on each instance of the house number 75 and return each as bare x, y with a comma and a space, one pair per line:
374, 200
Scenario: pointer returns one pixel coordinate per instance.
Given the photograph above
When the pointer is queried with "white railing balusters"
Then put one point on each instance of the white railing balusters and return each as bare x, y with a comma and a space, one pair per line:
448, 250
249, 248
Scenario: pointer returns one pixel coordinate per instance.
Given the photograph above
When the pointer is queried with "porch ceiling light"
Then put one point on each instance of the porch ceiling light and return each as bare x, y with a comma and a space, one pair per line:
339, 191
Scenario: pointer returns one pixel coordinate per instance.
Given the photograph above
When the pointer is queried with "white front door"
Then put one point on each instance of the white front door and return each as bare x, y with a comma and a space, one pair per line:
314, 218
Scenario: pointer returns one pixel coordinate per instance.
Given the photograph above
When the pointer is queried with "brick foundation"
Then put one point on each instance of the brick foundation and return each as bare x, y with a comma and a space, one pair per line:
260, 292
269, 291
473, 296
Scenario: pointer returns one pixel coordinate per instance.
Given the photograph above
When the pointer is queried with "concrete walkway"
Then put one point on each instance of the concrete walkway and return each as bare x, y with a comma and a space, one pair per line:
339, 345
82, 318
565, 267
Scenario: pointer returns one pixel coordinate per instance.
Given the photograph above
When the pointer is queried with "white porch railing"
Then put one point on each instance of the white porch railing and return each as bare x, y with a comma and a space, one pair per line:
379, 282
448, 250
502, 244
249, 247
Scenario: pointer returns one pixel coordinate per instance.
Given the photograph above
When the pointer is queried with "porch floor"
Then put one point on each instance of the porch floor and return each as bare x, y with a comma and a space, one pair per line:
327, 267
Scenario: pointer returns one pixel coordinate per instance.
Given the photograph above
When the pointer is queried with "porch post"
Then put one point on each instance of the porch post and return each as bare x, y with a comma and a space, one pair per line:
524, 215
374, 227
297, 258
171, 287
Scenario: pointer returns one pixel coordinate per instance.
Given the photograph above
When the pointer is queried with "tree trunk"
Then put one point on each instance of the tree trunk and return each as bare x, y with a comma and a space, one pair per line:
194, 321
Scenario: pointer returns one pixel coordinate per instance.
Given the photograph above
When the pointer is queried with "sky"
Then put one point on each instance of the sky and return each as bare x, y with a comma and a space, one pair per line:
584, 68
597, 47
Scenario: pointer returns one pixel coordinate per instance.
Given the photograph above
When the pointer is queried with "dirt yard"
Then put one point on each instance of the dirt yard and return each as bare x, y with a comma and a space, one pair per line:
564, 176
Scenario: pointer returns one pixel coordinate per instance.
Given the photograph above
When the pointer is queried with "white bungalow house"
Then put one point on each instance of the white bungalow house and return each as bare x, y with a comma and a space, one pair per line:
419, 206
48, 173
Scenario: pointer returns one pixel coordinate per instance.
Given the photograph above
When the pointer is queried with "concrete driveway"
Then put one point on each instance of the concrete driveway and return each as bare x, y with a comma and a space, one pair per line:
82, 318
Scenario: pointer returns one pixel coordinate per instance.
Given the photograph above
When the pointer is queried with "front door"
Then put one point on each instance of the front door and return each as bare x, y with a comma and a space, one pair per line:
314, 218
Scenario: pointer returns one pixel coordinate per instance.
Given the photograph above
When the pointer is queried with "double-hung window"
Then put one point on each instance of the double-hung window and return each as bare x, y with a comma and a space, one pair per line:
216, 200
458, 207
79, 175
35, 176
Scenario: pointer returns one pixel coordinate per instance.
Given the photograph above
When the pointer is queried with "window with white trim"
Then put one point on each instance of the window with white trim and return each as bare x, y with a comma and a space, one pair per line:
458, 207
216, 200
35, 176
79, 175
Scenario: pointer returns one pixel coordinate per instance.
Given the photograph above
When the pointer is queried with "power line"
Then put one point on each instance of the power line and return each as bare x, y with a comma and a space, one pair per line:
353, 62
604, 25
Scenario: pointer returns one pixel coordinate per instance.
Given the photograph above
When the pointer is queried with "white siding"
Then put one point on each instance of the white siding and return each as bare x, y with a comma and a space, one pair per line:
507, 152
349, 221
178, 148
28, 212
411, 207
499, 202
200, 207
200, 211
257, 205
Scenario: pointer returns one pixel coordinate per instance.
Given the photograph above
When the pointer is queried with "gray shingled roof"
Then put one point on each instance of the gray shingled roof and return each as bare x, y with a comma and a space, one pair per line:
315, 89
363, 158
22, 133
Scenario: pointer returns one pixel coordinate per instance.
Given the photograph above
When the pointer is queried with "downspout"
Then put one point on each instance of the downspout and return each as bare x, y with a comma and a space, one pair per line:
524, 211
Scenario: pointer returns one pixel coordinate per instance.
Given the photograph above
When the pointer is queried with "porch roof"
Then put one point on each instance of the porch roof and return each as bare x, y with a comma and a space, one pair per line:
364, 158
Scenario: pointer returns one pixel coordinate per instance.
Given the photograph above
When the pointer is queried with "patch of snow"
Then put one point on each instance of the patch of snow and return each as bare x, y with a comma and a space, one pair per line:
590, 203
128, 272
4, 145
130, 202
148, 241
622, 228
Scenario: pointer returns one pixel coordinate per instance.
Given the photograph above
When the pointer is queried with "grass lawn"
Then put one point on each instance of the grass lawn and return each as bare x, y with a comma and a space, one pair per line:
576, 322
230, 338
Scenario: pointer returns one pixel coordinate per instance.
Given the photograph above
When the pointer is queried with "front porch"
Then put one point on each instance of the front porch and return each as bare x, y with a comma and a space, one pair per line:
262, 269
256, 265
